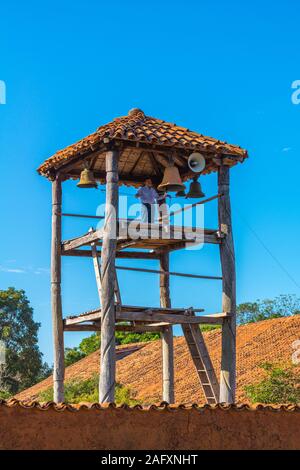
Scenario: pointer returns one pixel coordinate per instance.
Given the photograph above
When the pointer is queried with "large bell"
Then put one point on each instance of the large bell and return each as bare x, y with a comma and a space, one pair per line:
195, 189
87, 179
171, 180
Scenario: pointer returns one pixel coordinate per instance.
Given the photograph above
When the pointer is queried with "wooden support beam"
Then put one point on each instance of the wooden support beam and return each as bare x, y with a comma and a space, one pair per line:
167, 333
147, 234
135, 308
129, 328
86, 239
155, 236
56, 304
96, 313
171, 318
82, 327
122, 245
152, 316
228, 360
108, 271
119, 254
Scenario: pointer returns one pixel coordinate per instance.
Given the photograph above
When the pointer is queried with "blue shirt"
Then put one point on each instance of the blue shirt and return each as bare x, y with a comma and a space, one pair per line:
147, 195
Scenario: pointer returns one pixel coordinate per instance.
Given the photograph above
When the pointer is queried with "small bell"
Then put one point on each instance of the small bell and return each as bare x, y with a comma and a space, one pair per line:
87, 179
195, 190
171, 180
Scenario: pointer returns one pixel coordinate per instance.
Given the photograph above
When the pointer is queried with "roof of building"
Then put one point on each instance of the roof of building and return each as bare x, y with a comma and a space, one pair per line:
140, 371
137, 135
163, 406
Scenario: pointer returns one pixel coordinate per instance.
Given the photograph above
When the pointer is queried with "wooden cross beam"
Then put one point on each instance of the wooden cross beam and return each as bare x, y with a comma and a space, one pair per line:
151, 328
151, 316
119, 254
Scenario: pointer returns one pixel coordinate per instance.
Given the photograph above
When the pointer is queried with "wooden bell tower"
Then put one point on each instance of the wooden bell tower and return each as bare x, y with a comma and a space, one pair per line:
127, 151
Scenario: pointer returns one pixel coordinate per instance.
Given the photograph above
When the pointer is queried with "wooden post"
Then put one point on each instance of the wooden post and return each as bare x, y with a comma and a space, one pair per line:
108, 313
57, 322
228, 360
167, 333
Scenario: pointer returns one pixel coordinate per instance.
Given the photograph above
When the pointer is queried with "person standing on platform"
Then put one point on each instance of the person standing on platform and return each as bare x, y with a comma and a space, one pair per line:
148, 196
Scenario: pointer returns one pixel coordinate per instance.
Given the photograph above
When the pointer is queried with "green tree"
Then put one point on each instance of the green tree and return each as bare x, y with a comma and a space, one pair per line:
123, 337
18, 331
281, 306
86, 347
90, 344
281, 385
205, 328
73, 355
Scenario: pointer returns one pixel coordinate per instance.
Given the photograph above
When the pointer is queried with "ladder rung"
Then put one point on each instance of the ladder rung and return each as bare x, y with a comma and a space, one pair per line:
201, 358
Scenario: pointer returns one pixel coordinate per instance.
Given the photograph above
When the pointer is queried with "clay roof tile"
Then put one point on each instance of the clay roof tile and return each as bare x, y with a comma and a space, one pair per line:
136, 126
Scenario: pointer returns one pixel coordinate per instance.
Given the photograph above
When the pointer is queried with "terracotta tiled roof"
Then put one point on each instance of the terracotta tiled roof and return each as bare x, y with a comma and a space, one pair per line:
137, 127
160, 407
265, 341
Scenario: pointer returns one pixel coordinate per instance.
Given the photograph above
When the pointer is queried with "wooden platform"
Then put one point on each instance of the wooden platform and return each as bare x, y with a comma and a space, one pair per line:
136, 235
143, 318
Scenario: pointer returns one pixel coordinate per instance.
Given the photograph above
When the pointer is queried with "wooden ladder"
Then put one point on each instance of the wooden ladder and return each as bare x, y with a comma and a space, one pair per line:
202, 361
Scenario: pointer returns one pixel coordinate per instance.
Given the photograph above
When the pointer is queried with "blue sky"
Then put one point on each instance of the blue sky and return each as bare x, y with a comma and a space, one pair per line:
224, 69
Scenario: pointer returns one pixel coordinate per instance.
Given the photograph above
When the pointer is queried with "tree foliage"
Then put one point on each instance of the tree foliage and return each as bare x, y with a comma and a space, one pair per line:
18, 331
73, 355
281, 385
281, 306
208, 327
86, 347
77, 391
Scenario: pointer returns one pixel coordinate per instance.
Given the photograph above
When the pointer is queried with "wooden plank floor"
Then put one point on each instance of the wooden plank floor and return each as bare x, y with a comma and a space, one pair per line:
134, 234
130, 313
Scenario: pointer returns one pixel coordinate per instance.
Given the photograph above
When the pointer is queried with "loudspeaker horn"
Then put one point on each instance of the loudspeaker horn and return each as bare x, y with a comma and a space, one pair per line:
196, 162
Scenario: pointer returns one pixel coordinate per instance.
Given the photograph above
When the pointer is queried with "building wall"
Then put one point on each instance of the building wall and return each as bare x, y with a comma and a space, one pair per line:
45, 427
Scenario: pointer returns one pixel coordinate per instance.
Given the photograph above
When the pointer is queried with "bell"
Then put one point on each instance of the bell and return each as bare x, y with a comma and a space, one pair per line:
180, 193
87, 179
195, 190
171, 180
